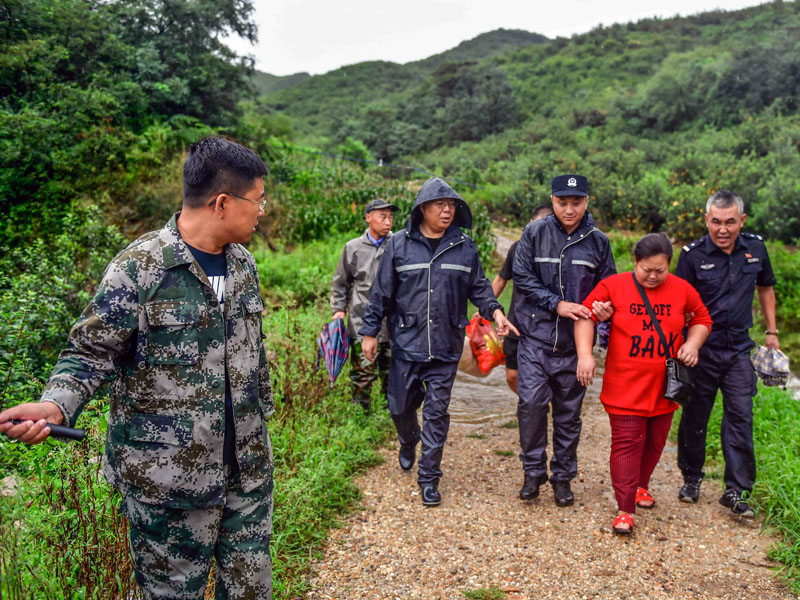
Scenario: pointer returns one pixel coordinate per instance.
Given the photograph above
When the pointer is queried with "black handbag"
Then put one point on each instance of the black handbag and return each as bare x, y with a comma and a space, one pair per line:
678, 381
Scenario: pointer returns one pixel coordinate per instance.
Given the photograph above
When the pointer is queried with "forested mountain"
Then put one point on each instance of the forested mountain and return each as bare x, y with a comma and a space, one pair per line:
658, 113
368, 94
266, 84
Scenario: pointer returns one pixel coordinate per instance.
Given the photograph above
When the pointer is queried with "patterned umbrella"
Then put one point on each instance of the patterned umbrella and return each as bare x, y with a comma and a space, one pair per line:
334, 346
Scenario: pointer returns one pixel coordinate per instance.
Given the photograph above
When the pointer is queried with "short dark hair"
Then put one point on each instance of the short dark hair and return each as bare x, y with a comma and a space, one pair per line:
725, 199
541, 211
651, 245
215, 165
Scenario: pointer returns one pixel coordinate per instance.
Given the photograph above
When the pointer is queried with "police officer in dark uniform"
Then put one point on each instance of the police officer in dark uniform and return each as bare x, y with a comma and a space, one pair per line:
558, 261
726, 266
427, 274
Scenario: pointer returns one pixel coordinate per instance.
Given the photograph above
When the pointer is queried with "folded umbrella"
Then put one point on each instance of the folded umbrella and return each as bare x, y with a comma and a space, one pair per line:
334, 347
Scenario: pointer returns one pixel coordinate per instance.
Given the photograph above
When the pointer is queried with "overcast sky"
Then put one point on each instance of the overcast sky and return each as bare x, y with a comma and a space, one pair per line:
318, 36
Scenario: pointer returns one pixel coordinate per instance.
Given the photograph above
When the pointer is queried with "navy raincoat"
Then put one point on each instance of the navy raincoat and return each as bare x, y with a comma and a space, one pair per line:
424, 295
551, 265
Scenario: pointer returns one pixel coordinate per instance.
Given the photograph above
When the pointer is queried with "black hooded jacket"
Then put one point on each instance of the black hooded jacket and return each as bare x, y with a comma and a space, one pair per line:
424, 295
551, 265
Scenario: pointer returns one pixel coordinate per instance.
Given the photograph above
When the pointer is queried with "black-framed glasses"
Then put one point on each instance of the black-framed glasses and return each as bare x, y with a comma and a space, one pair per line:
261, 203
442, 204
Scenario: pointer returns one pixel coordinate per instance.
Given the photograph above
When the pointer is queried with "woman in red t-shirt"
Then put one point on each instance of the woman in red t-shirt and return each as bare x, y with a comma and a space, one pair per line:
633, 383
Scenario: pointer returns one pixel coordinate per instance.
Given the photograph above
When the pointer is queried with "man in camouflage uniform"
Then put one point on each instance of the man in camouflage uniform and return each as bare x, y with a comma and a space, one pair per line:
350, 291
176, 326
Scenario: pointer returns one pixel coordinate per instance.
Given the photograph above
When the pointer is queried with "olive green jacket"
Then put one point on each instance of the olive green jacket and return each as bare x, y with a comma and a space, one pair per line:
156, 330
352, 282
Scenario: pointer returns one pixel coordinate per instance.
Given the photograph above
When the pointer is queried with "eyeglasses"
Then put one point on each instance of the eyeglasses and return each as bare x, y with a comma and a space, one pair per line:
261, 203
440, 204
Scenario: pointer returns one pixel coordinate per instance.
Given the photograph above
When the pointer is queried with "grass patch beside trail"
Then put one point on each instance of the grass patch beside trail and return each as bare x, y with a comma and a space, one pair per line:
777, 493
485, 594
505, 453
61, 534
320, 438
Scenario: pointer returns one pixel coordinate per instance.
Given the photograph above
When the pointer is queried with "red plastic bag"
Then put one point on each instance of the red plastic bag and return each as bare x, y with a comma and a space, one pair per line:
485, 344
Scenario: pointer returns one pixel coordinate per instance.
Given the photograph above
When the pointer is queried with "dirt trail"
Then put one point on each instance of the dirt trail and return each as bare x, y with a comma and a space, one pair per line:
483, 536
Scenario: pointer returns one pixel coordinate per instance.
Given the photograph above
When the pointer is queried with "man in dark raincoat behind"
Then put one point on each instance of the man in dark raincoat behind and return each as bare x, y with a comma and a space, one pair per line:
427, 274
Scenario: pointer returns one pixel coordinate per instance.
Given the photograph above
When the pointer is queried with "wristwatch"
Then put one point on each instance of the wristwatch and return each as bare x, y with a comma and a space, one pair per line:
768, 332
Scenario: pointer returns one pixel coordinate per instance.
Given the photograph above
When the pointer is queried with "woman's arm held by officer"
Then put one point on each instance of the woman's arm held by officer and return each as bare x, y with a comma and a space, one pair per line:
584, 337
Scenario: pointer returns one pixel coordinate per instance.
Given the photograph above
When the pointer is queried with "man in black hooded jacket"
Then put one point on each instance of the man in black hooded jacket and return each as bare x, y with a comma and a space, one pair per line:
426, 275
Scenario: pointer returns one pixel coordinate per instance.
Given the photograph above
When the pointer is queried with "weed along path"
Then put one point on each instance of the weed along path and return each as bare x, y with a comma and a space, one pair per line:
484, 542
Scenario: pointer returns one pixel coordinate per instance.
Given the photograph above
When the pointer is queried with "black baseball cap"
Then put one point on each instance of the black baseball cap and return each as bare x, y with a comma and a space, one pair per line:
570, 185
379, 203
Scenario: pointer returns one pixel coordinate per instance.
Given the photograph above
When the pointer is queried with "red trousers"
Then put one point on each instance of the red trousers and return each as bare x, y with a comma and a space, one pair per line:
636, 446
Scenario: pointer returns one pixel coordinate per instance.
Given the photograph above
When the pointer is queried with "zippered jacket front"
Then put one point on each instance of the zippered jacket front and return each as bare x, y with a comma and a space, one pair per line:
551, 265
424, 294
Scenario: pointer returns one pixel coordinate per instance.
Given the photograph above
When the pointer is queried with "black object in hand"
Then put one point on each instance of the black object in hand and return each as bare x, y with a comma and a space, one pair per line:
60, 431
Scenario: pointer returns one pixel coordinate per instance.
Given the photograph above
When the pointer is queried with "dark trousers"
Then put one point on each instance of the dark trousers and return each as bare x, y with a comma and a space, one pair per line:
546, 378
427, 384
732, 373
636, 445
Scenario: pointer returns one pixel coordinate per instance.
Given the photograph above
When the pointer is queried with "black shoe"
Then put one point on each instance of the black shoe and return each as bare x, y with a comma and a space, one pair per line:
406, 457
690, 491
562, 493
430, 495
530, 487
733, 500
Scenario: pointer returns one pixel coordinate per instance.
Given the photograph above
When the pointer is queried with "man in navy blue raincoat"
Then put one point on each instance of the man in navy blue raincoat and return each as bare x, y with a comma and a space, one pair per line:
427, 274
558, 261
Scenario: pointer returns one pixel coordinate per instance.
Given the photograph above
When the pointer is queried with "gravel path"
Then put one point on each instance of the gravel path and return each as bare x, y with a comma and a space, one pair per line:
482, 536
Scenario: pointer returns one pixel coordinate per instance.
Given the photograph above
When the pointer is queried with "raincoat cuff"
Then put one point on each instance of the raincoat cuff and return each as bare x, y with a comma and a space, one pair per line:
370, 331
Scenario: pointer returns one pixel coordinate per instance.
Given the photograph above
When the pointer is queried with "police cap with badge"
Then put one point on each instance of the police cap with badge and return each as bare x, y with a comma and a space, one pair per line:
570, 185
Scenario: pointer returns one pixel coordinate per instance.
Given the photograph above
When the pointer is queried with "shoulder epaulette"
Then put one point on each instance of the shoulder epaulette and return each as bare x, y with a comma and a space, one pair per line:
754, 236
690, 247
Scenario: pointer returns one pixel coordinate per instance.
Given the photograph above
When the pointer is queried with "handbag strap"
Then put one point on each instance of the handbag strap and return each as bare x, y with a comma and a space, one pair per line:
652, 314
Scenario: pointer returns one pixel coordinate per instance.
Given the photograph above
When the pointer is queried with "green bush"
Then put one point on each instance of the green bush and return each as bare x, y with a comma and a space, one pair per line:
777, 444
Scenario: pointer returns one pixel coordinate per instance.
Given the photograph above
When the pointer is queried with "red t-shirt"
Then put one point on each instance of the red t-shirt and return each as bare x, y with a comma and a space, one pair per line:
633, 382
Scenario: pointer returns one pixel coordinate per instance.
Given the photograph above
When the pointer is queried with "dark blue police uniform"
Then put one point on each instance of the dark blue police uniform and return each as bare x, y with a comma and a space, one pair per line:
726, 283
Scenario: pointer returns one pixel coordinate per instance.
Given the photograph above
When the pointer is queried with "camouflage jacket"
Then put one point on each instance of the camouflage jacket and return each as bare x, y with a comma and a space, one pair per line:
156, 330
352, 282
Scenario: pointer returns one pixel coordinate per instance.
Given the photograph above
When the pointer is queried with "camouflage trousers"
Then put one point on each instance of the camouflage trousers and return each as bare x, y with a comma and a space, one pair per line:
363, 373
172, 548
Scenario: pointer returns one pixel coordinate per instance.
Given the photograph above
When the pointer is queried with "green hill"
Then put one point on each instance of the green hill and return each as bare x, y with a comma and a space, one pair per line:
658, 113
493, 43
329, 104
267, 84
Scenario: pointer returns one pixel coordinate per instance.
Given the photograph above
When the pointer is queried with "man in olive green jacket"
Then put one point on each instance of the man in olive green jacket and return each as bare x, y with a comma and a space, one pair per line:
350, 290
176, 326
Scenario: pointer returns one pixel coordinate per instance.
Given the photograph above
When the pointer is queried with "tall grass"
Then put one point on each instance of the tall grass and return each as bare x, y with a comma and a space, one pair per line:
777, 491
61, 533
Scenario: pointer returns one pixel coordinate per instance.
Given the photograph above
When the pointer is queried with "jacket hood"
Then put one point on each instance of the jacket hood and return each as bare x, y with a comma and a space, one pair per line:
437, 189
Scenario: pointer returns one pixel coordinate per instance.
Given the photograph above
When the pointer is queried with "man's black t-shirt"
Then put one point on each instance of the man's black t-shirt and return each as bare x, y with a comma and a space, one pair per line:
434, 242
506, 273
215, 268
